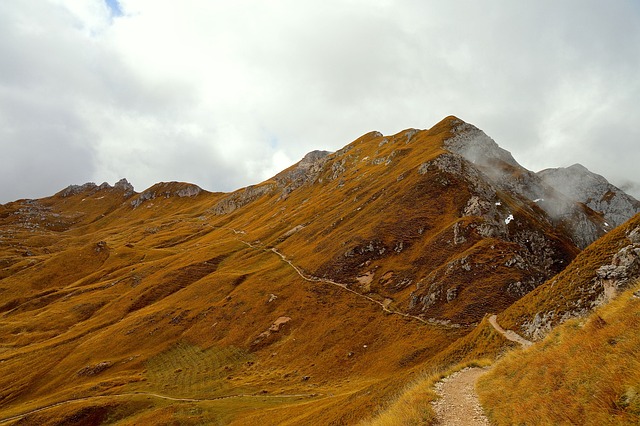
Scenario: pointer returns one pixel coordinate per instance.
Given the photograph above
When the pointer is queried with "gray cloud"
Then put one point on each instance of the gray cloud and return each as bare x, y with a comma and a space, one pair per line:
227, 94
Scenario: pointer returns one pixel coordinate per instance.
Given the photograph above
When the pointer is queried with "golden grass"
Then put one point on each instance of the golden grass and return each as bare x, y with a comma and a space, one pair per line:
185, 370
176, 295
412, 405
561, 293
584, 372
483, 342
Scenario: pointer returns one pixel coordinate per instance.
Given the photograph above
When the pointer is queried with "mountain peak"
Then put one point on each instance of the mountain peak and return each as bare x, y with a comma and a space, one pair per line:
475, 146
90, 187
312, 157
592, 189
167, 190
579, 167
343, 274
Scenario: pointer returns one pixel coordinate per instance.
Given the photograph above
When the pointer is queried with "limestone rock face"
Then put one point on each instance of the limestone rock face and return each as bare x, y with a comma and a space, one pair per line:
240, 198
587, 283
305, 171
583, 224
125, 186
474, 145
167, 190
90, 188
77, 189
623, 270
582, 185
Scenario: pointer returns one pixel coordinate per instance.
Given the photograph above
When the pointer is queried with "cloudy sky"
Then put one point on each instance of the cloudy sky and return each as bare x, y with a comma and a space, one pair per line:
227, 93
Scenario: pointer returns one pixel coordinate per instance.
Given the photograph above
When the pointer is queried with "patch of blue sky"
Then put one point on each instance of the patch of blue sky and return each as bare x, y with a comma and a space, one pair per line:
114, 7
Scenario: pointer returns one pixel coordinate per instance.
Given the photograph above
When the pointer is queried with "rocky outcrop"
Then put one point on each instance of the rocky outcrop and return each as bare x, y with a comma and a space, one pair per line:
90, 188
623, 270
475, 146
241, 198
305, 171
167, 190
124, 186
580, 184
582, 224
77, 189
520, 236
592, 285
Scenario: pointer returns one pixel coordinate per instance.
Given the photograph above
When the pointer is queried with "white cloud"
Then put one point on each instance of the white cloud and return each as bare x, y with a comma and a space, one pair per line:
224, 94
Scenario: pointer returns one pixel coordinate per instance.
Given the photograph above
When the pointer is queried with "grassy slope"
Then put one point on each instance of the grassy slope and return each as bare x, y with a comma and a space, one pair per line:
572, 289
585, 372
174, 305
175, 302
364, 216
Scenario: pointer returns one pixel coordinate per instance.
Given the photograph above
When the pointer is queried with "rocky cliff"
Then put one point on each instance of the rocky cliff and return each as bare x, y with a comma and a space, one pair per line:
584, 186
583, 224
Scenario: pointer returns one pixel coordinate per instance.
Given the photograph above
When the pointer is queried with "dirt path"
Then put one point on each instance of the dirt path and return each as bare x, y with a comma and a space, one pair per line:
343, 286
312, 278
459, 405
509, 334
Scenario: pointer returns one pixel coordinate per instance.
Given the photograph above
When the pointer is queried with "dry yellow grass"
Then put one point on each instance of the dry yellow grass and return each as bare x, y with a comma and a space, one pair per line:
573, 287
173, 292
585, 372
100, 299
412, 405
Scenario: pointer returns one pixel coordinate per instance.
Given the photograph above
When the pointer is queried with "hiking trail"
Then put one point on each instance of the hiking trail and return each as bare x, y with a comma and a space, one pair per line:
458, 404
509, 334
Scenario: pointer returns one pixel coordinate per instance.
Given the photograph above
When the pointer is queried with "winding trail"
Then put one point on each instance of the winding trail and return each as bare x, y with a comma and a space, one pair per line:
148, 394
458, 404
343, 286
509, 334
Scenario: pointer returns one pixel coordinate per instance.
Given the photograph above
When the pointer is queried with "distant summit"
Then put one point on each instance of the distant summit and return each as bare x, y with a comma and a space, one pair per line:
122, 185
583, 225
582, 185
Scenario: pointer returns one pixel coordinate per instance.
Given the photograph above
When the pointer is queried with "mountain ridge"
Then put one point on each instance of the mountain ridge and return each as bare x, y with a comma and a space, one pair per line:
336, 280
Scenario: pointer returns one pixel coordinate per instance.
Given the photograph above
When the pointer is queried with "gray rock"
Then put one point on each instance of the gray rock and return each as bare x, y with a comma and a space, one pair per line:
77, 189
634, 235
306, 171
241, 198
582, 185
91, 188
124, 186
503, 171
167, 190
623, 271
474, 145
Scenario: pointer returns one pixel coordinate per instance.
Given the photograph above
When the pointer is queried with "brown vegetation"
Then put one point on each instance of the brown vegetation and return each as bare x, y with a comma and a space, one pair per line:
161, 307
584, 372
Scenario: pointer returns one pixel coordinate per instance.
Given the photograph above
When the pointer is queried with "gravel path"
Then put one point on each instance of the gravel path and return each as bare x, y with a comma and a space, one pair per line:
459, 404
509, 334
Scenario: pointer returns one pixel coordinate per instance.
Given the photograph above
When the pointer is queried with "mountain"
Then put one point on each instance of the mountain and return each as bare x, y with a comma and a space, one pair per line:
595, 276
578, 183
565, 209
308, 298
